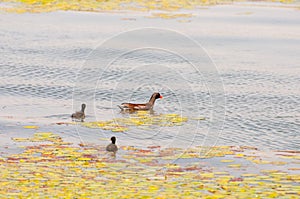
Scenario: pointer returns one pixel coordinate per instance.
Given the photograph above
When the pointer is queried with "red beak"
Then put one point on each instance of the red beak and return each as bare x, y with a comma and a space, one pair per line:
161, 97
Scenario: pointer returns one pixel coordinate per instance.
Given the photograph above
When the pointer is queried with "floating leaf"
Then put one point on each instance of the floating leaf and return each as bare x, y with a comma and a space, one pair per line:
30, 127
234, 165
227, 160
20, 139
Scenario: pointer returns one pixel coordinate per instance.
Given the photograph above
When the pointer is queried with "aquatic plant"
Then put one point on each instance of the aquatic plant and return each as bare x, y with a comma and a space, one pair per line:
138, 119
168, 6
53, 168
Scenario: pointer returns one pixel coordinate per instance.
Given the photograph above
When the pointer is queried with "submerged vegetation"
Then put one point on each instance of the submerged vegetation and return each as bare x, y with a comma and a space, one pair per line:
169, 6
53, 168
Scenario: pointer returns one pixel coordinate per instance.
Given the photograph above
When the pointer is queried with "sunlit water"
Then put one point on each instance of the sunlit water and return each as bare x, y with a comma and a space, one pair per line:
44, 60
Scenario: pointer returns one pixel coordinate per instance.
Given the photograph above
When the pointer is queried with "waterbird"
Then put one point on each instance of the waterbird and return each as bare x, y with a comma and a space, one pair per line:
79, 115
147, 106
112, 147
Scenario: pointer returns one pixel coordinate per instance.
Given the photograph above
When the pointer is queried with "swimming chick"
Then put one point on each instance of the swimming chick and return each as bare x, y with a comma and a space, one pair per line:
79, 115
112, 147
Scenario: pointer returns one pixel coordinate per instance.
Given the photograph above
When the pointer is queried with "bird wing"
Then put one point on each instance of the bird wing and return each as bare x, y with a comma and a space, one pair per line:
141, 107
131, 106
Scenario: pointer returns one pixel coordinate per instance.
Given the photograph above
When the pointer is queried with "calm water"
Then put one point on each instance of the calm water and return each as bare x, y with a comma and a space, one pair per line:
52, 61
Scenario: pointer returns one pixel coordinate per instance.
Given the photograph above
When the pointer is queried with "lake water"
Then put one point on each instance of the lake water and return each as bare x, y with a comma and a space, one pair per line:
53, 62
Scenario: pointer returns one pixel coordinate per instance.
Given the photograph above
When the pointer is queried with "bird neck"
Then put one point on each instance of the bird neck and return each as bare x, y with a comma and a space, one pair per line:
152, 100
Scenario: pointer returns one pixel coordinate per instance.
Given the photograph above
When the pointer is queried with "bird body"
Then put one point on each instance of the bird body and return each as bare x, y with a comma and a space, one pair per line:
79, 115
147, 106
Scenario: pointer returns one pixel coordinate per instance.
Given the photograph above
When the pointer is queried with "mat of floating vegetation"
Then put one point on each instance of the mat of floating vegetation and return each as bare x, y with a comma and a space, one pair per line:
21, 6
53, 168
138, 119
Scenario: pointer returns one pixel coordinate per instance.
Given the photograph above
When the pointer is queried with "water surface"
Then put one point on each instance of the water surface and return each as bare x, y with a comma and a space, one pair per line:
255, 50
